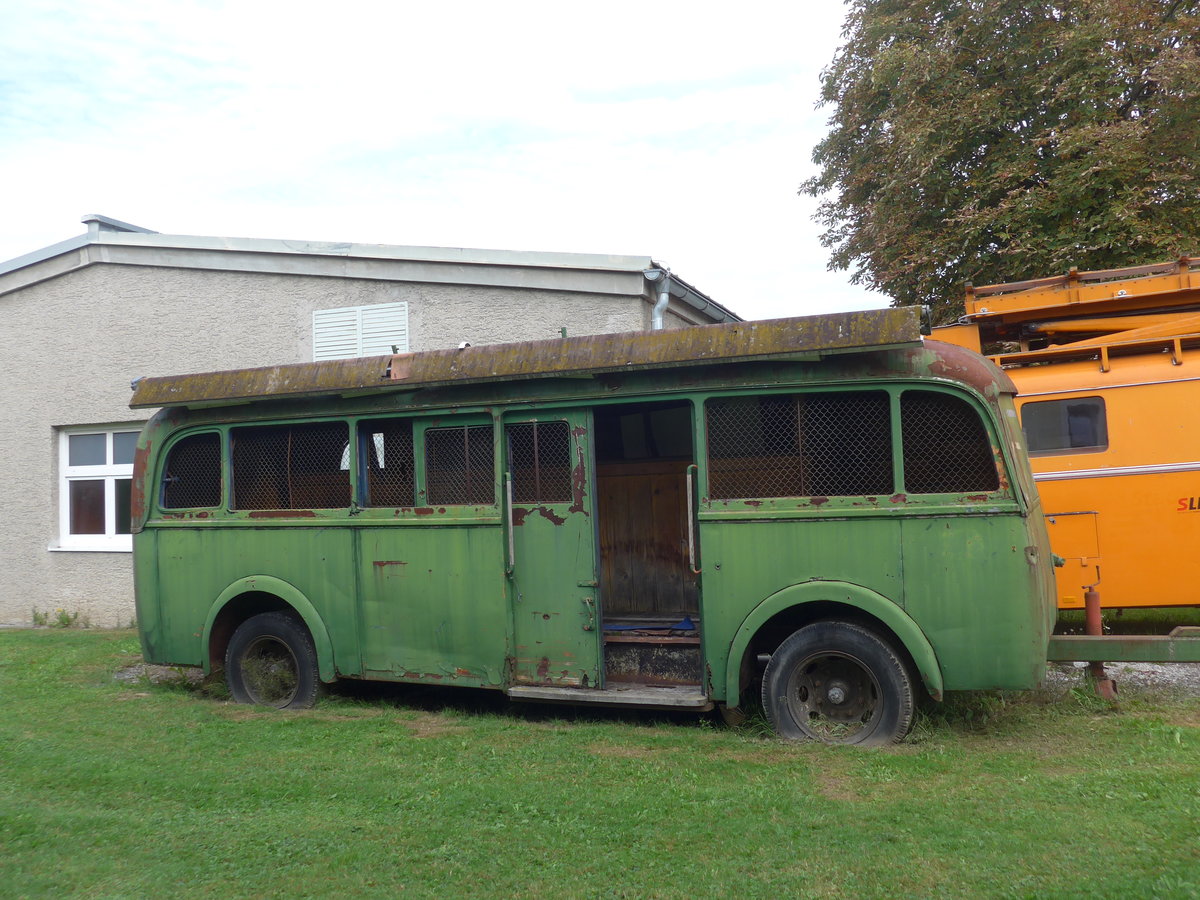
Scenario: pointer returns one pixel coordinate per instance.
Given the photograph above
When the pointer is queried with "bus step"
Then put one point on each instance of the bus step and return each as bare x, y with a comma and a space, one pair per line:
652, 661
640, 695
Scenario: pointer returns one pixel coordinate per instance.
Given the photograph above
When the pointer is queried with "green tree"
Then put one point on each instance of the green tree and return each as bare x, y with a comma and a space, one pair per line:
997, 140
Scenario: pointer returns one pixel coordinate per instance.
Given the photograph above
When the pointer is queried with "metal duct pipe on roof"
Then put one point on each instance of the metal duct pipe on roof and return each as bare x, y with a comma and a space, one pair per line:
673, 286
664, 295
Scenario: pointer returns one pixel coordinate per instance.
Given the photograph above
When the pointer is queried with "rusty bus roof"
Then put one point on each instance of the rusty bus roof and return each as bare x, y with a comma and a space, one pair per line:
804, 338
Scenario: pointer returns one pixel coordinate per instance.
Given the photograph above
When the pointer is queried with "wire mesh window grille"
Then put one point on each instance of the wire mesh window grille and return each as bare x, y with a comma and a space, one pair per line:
192, 475
291, 466
946, 447
390, 475
460, 465
803, 445
539, 458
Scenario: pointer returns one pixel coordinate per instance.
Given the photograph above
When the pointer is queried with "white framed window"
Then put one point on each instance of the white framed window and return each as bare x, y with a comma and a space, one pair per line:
95, 474
351, 331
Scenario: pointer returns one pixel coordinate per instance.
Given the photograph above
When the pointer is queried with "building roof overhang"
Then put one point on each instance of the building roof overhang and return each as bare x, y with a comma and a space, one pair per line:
110, 241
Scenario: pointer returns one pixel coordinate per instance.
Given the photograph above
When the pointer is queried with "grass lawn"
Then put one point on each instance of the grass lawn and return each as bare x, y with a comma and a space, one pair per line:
111, 789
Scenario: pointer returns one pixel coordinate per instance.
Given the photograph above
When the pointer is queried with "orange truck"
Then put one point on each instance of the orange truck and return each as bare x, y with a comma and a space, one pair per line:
1107, 364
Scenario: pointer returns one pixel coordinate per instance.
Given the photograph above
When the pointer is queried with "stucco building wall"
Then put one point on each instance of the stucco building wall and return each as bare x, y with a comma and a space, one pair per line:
72, 343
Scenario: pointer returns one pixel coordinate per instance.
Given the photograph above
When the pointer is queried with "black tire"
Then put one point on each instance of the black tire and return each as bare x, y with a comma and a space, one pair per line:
271, 661
838, 683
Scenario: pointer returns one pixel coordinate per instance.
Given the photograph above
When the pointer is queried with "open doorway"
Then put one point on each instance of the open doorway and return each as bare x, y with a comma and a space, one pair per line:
650, 608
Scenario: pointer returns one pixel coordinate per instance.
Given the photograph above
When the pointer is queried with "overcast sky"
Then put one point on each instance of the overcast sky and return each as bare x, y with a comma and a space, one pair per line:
674, 130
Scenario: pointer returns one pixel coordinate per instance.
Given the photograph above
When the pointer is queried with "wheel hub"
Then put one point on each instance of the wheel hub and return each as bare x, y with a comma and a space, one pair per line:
833, 696
271, 672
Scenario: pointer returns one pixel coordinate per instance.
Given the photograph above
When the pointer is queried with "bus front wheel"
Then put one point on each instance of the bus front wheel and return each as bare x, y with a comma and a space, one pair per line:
838, 683
271, 661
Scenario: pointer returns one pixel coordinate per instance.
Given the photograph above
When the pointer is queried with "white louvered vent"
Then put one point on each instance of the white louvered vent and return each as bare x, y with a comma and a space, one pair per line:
360, 331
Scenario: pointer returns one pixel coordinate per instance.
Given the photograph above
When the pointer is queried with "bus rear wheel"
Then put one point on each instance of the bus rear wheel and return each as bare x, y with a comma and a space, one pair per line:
271, 661
838, 683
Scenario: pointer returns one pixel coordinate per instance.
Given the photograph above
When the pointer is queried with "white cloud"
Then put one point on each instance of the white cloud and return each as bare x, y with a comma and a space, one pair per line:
676, 130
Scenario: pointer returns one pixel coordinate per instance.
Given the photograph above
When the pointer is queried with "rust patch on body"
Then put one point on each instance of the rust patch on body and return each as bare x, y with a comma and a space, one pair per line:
898, 498
578, 486
137, 495
400, 367
382, 563
818, 501
1002, 470
424, 511
521, 513
952, 361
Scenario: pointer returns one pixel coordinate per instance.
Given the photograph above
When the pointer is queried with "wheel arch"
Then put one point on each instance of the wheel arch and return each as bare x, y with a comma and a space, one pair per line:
255, 594
793, 607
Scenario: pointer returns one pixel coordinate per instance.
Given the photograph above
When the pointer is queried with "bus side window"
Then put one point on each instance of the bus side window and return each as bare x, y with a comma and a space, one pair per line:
1064, 426
946, 446
460, 466
803, 445
539, 456
290, 466
388, 448
192, 475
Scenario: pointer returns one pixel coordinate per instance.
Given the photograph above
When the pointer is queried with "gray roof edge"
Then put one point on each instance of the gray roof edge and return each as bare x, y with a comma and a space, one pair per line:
456, 255
45, 253
107, 223
103, 230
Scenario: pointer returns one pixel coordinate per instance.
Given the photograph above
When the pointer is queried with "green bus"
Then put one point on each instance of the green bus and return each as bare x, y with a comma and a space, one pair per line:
827, 511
